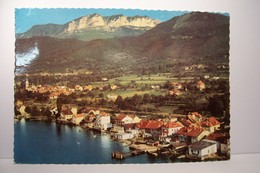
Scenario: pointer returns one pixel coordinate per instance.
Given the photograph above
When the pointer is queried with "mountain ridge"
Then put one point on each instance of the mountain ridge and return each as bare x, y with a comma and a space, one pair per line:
101, 27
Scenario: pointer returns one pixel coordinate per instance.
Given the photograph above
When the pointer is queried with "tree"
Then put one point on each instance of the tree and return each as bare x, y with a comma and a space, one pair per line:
47, 112
28, 110
216, 106
136, 100
168, 85
101, 95
59, 104
146, 98
16, 112
90, 94
119, 100
102, 101
35, 111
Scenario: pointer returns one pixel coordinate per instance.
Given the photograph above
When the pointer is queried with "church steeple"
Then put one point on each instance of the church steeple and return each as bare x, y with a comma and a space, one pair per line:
27, 83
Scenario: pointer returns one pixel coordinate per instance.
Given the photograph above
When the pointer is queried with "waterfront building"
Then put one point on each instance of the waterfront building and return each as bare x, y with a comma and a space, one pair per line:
202, 149
102, 122
76, 119
191, 134
151, 127
169, 129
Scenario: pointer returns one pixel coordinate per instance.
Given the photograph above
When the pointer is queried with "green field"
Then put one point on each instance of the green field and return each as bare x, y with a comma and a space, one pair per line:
150, 80
132, 92
138, 81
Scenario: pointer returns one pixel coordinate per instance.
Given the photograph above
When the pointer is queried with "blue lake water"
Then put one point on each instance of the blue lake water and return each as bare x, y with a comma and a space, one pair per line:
51, 143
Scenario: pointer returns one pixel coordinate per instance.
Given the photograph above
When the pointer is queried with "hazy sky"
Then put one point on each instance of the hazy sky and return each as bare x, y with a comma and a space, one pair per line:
25, 18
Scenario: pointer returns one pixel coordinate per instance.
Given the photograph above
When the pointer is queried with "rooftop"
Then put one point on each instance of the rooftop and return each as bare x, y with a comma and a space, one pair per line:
201, 145
190, 131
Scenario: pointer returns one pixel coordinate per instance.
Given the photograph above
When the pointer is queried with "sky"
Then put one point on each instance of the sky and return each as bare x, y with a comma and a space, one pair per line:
25, 18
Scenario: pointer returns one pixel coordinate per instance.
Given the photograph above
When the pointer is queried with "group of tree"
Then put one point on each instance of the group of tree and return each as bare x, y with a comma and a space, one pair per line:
36, 111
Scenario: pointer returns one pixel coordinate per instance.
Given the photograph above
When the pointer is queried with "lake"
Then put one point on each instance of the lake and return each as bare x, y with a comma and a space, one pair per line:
37, 142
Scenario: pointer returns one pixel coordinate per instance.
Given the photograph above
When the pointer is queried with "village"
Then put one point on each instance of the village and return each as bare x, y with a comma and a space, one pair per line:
186, 135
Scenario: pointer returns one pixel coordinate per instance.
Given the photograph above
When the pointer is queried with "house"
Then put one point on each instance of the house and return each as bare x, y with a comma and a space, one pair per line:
94, 111
175, 92
171, 128
123, 136
54, 111
76, 119
123, 119
202, 149
150, 127
90, 116
177, 85
191, 134
53, 96
102, 122
155, 86
66, 115
22, 111
113, 87
19, 103
211, 124
201, 85
88, 87
78, 88
112, 96
206, 77
195, 117
222, 140
186, 122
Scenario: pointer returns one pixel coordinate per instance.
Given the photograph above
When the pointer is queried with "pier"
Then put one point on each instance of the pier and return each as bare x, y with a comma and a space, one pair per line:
137, 149
122, 155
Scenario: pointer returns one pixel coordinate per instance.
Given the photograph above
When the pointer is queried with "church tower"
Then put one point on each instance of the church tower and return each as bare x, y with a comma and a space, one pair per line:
27, 84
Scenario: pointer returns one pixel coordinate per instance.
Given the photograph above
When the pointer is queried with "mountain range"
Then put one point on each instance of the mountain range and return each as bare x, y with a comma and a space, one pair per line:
193, 38
94, 26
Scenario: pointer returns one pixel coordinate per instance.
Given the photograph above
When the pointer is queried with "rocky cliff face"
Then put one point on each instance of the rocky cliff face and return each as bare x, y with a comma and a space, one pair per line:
95, 26
111, 23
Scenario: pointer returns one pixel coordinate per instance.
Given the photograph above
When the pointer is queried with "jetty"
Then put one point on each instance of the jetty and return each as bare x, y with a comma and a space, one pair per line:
122, 155
136, 149
143, 147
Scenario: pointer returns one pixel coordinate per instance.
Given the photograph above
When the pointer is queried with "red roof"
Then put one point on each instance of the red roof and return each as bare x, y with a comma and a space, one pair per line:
205, 124
104, 114
186, 122
190, 131
218, 137
79, 115
66, 112
200, 83
210, 122
142, 124
120, 117
150, 124
132, 116
214, 121
172, 125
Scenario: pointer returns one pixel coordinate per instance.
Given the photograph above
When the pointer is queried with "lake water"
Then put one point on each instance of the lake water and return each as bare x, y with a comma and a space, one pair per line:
46, 143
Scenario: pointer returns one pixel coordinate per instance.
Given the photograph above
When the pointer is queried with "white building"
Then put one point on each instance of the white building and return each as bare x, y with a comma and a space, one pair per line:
102, 122
76, 119
126, 119
171, 128
202, 149
123, 136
